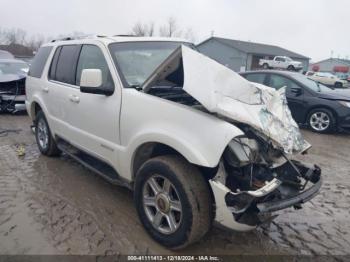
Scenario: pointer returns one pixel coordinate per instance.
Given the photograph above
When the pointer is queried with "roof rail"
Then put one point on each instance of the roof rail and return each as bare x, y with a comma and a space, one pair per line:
62, 39
77, 38
125, 35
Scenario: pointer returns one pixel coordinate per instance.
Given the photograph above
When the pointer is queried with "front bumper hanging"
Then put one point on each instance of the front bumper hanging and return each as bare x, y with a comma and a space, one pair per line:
245, 210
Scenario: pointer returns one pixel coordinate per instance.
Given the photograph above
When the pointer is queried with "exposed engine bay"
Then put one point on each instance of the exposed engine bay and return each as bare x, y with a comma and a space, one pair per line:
256, 175
260, 179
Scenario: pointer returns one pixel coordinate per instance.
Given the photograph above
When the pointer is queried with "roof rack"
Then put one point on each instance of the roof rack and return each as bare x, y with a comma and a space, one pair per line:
125, 35
77, 38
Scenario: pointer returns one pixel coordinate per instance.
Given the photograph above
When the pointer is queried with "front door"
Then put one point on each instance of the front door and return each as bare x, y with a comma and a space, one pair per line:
93, 118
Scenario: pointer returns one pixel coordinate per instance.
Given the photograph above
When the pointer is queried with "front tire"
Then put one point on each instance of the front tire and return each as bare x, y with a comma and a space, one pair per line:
44, 139
321, 120
173, 201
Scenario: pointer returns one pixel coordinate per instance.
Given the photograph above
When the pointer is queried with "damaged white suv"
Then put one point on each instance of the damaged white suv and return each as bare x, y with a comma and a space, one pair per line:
196, 142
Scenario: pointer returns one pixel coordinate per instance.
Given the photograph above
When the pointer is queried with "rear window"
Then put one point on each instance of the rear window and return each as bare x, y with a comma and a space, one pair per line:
66, 58
39, 61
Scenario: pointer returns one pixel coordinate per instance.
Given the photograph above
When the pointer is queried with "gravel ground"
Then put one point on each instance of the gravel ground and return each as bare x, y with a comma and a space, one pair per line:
56, 206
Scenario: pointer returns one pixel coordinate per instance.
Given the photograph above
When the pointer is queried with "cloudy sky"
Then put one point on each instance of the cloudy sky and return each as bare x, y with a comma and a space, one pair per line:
313, 28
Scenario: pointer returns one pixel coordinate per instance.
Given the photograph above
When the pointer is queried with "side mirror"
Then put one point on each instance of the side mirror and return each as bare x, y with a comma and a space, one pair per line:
296, 91
91, 82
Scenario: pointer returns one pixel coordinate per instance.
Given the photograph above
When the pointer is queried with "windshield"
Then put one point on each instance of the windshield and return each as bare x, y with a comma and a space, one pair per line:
137, 60
311, 84
15, 68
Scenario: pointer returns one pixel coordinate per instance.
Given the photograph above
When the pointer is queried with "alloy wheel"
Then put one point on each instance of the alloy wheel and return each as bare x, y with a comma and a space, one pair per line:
162, 204
319, 121
43, 133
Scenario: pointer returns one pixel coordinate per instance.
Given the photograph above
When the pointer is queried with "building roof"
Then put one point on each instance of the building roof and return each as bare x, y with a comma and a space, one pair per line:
336, 60
255, 48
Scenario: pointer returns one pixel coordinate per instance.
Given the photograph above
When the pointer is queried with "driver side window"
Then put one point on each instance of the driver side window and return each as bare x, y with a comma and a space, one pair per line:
277, 82
91, 57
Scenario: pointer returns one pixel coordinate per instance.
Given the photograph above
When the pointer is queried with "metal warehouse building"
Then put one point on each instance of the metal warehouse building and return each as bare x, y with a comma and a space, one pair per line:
340, 67
242, 55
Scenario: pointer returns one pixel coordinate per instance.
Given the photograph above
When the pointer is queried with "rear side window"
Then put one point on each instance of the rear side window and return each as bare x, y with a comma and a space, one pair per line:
52, 72
39, 61
256, 78
64, 63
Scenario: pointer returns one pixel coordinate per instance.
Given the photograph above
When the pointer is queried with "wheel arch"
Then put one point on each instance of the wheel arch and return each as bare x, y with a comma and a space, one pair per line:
35, 106
149, 150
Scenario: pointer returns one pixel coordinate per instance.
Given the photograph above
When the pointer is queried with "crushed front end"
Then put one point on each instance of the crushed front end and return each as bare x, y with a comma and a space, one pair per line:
12, 95
254, 179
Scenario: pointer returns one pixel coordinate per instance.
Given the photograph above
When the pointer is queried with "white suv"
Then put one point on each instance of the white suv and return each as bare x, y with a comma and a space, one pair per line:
196, 142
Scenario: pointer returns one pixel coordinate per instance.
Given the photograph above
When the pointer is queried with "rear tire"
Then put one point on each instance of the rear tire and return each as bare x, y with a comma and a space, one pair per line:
321, 120
291, 68
265, 66
188, 189
338, 85
44, 139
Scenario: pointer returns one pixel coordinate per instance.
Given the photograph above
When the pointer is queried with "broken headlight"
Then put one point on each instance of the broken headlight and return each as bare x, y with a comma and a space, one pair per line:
242, 151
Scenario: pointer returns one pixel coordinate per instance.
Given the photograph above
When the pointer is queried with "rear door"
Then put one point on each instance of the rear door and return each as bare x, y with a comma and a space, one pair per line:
60, 82
93, 118
294, 94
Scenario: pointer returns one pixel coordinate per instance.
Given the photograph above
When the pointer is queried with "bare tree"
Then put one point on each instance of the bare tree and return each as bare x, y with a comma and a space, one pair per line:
189, 35
150, 29
13, 36
35, 41
170, 28
141, 29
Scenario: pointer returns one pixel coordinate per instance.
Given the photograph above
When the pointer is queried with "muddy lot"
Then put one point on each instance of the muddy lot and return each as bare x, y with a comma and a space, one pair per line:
56, 206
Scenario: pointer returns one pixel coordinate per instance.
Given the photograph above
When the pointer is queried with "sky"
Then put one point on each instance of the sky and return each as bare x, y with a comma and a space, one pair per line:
314, 28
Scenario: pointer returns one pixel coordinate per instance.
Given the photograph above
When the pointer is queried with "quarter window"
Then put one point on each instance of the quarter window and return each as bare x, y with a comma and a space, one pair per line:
38, 64
91, 57
256, 78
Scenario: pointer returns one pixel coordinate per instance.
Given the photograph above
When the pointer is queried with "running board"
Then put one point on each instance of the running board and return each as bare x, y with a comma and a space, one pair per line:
96, 165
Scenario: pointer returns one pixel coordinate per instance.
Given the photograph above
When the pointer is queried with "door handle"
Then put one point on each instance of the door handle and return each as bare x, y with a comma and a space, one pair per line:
74, 98
45, 89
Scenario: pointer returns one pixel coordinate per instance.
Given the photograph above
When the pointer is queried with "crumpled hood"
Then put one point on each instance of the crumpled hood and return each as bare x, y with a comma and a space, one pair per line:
224, 92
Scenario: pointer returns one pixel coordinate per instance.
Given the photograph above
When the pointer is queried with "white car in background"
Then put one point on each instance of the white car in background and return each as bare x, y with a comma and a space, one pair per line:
327, 79
281, 62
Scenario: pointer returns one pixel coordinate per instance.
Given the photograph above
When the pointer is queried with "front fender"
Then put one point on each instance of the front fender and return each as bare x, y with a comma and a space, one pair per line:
198, 136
